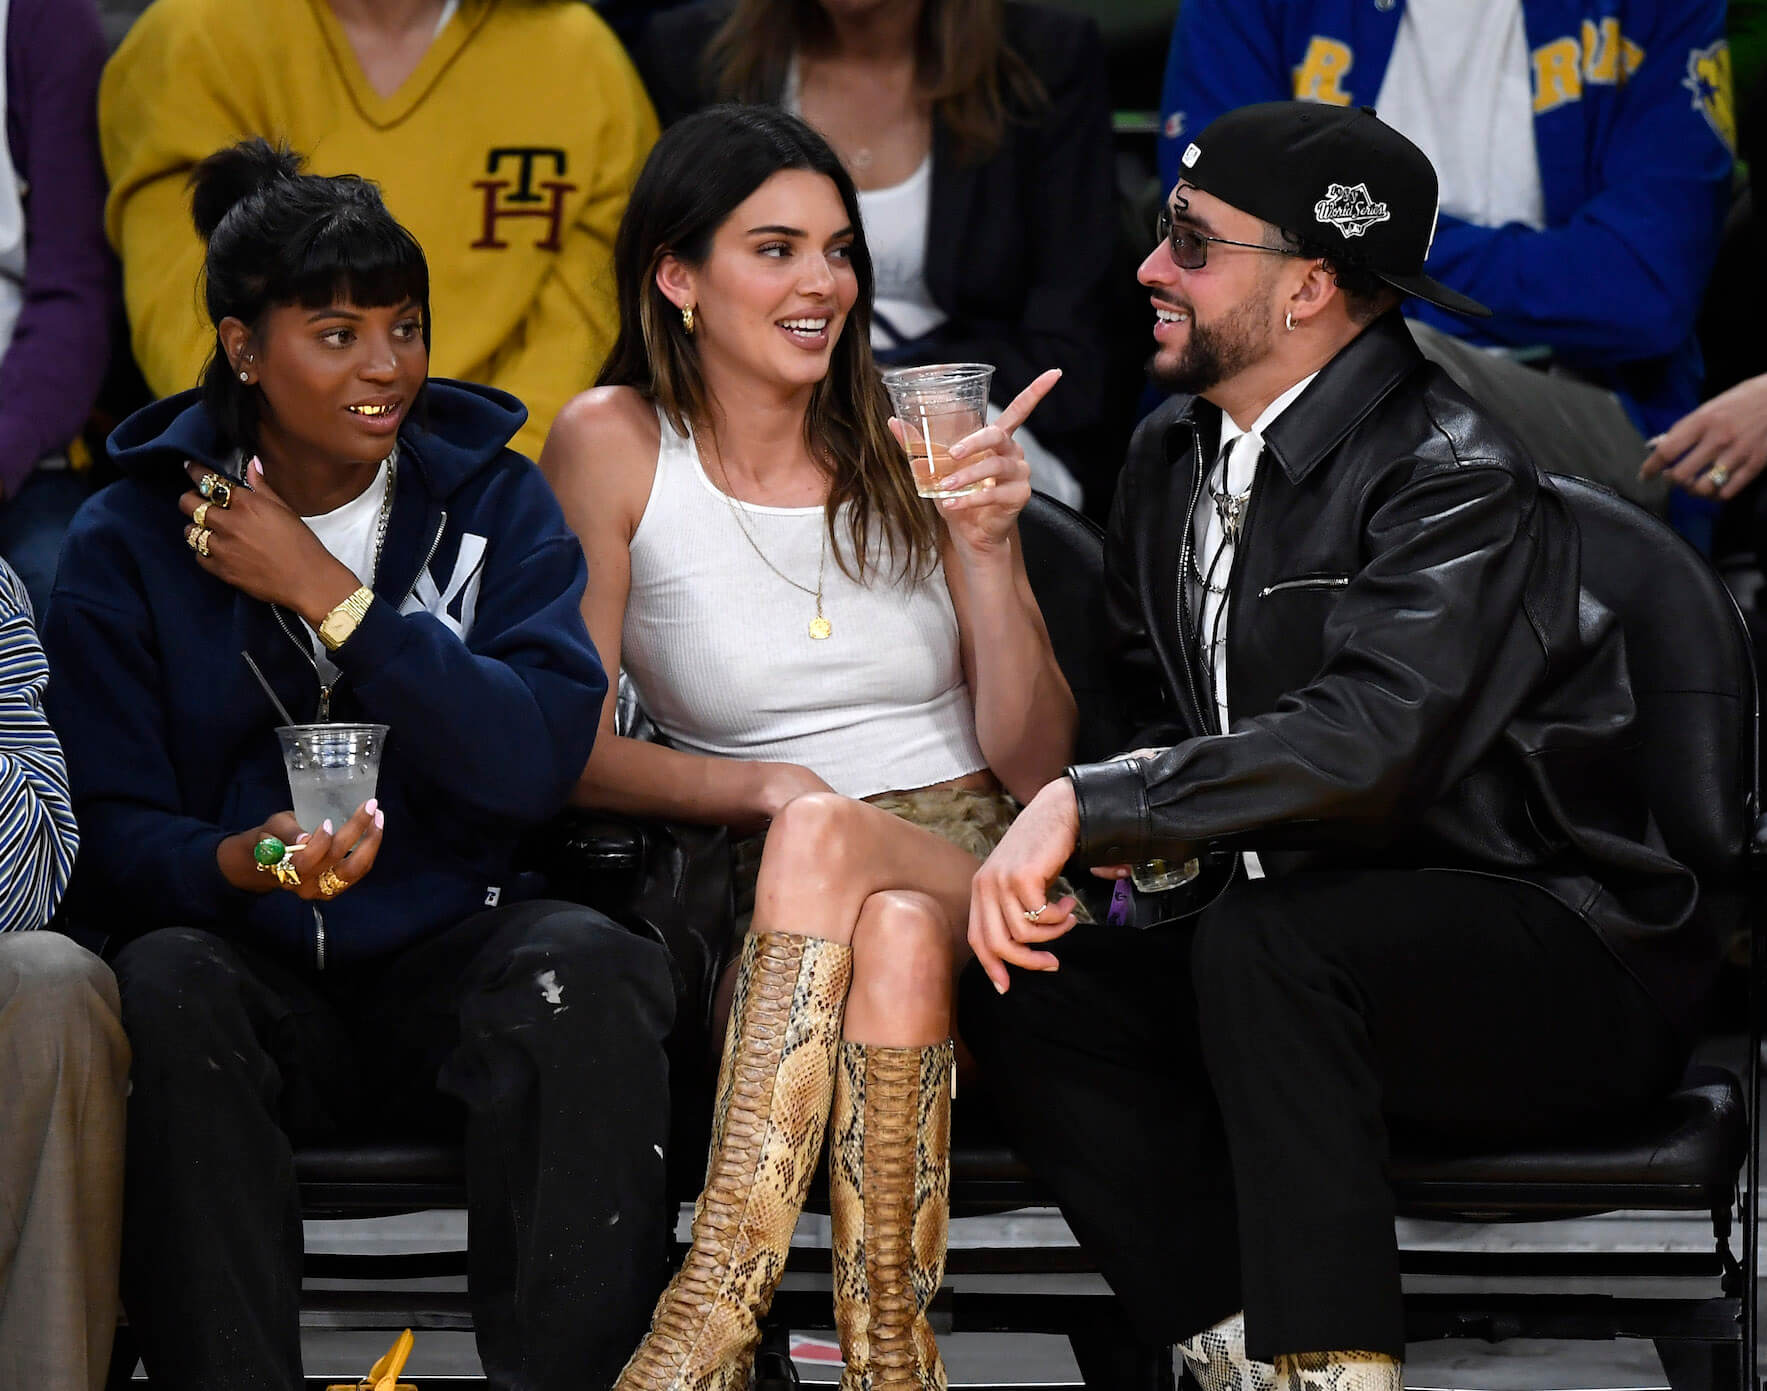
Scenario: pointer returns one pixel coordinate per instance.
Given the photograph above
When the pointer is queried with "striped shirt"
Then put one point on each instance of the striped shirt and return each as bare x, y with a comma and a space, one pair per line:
38, 836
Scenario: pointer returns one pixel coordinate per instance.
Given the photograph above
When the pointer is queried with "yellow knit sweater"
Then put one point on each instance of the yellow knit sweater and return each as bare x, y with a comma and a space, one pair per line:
509, 153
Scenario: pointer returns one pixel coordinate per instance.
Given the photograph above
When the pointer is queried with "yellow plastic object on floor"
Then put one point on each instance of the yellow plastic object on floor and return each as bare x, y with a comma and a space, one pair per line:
384, 1374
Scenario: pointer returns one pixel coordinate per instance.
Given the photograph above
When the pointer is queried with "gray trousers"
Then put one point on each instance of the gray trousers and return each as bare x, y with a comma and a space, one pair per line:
64, 1070
1567, 425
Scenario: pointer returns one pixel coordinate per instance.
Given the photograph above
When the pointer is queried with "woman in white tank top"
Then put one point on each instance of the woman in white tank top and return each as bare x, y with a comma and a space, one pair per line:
833, 661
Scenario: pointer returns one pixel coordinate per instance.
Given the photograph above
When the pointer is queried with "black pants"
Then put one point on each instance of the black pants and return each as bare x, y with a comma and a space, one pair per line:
1211, 1104
537, 1028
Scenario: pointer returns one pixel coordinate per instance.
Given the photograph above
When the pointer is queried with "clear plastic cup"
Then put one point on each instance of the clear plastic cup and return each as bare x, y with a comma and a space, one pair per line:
332, 769
939, 405
1162, 876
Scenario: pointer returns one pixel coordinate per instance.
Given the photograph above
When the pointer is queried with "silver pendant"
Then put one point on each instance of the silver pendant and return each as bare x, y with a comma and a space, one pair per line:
1232, 511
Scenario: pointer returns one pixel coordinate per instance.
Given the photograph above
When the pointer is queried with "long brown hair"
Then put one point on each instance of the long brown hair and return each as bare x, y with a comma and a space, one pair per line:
699, 172
963, 64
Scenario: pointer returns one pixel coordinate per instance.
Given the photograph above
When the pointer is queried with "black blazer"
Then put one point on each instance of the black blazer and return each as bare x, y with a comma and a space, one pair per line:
1020, 247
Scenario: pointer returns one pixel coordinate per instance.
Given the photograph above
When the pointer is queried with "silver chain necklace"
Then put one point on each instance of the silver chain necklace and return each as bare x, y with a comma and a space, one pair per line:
386, 510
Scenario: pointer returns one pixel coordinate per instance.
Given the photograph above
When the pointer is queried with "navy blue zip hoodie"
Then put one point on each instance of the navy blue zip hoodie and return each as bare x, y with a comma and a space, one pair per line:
474, 652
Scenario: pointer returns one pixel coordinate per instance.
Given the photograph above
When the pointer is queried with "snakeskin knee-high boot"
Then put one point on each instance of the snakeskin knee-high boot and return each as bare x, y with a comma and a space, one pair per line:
1216, 1359
774, 1088
1340, 1371
889, 1170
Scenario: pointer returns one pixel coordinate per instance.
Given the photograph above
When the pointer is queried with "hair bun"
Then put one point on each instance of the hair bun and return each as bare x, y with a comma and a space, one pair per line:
229, 176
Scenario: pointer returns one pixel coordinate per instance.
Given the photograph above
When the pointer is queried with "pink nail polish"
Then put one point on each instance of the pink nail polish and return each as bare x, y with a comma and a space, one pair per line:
325, 826
371, 806
380, 820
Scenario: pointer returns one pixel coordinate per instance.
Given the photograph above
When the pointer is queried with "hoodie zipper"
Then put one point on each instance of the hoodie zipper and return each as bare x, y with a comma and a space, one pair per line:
434, 546
306, 650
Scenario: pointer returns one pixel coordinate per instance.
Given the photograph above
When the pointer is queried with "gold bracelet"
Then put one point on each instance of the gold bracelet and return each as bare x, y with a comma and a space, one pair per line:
337, 626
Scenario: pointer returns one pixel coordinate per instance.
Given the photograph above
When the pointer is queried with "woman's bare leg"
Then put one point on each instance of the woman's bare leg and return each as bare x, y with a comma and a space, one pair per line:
826, 854
903, 967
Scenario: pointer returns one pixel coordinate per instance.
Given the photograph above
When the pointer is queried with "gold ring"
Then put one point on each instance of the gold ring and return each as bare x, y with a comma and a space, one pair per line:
197, 538
216, 489
1719, 475
199, 514
286, 874
1033, 914
330, 884
987, 483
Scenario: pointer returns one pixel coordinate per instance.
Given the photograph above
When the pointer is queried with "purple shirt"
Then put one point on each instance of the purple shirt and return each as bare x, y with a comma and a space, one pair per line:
51, 370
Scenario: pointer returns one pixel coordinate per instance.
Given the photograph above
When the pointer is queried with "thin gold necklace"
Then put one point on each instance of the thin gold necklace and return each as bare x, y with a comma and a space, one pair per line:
820, 627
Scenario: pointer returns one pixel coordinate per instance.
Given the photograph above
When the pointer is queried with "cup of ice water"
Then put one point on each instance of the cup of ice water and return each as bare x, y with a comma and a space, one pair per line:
939, 405
332, 769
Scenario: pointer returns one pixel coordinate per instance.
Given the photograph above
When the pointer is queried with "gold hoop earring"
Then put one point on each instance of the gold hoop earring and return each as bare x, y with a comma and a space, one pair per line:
687, 319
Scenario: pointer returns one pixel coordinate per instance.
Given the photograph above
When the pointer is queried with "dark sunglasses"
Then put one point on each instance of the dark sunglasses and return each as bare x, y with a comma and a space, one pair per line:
1190, 248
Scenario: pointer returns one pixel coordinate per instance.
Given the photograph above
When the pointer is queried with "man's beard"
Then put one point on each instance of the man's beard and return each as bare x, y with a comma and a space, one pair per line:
1215, 352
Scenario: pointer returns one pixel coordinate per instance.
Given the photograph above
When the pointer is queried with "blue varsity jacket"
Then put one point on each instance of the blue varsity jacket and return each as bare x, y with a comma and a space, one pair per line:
1634, 123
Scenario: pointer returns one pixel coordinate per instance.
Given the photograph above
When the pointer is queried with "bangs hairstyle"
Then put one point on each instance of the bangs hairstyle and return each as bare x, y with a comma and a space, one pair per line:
278, 237
698, 173
962, 64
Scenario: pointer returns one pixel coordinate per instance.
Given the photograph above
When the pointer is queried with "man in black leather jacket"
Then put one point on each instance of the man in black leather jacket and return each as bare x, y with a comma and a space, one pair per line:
1371, 692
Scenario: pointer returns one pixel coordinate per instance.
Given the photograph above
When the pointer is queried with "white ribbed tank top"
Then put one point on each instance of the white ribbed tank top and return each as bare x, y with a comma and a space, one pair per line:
719, 649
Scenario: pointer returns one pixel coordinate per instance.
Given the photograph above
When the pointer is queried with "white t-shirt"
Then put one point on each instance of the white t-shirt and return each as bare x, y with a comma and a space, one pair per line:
1458, 86
895, 233
1236, 466
349, 534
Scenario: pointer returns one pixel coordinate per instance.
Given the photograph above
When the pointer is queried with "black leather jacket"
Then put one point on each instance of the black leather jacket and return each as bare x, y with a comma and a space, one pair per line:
1415, 677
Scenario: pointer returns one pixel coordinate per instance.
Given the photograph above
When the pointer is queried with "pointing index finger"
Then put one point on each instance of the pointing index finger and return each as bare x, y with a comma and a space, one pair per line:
1026, 401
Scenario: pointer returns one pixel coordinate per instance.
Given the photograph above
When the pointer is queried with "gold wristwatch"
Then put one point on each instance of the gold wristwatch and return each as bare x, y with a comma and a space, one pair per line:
335, 628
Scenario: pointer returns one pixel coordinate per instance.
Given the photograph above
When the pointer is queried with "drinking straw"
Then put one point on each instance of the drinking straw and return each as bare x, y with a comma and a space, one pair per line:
281, 709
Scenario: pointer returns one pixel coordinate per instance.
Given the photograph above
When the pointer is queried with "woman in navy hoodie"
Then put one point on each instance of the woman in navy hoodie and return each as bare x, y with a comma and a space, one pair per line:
361, 534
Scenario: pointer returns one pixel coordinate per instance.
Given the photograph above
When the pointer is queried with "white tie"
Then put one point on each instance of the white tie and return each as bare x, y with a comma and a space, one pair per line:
1232, 480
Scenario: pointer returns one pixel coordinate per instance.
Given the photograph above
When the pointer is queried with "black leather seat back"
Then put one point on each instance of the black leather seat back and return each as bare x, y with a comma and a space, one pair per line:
1692, 672
1064, 558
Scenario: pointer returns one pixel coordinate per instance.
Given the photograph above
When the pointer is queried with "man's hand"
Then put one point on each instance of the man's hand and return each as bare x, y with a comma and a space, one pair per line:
1717, 450
1014, 883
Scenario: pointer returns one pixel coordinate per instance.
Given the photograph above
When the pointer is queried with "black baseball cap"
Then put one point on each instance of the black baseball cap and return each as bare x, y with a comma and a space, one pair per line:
1337, 175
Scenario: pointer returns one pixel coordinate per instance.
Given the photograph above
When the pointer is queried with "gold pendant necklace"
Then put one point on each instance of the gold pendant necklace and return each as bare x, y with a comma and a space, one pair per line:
820, 627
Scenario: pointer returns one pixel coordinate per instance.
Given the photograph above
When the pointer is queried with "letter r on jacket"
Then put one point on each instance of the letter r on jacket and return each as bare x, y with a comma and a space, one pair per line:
1321, 73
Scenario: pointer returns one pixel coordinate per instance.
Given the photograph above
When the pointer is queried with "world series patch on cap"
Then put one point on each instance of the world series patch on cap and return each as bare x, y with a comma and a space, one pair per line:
1338, 176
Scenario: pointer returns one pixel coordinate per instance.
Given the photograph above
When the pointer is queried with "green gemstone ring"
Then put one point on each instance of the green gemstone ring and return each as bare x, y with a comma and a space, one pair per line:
268, 852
